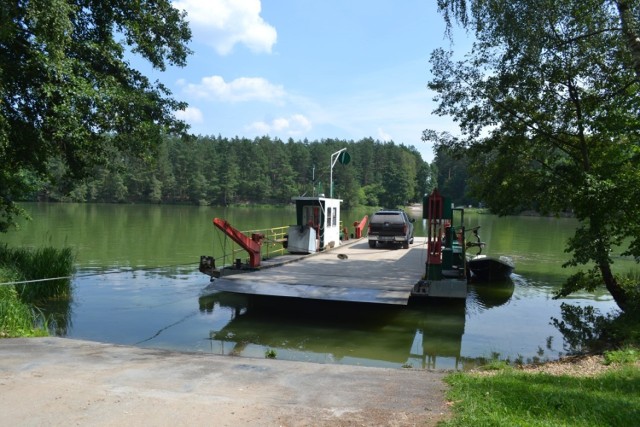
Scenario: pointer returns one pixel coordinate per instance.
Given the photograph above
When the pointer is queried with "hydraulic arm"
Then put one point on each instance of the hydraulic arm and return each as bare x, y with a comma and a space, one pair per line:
252, 244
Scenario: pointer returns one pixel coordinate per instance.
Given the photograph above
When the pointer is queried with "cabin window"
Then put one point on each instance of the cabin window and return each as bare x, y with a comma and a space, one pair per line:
335, 216
328, 217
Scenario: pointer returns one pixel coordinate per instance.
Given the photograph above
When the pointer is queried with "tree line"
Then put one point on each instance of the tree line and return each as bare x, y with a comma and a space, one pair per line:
208, 170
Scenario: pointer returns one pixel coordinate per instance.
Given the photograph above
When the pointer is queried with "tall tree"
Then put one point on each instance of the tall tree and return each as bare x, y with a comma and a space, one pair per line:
302, 167
547, 103
452, 176
396, 177
66, 87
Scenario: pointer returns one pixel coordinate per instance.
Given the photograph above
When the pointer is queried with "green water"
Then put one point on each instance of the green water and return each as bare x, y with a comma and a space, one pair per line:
137, 283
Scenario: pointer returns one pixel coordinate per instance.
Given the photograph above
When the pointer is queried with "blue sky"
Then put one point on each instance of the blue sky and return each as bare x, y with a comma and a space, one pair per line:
345, 69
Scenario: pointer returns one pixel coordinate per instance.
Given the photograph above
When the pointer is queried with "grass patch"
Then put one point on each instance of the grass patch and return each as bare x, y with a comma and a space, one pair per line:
502, 395
511, 397
496, 364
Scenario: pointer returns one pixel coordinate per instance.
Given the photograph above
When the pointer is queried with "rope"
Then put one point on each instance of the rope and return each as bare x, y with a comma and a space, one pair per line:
102, 273
35, 281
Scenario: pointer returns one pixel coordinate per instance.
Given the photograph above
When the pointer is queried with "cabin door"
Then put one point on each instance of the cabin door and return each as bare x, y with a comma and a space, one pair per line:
311, 216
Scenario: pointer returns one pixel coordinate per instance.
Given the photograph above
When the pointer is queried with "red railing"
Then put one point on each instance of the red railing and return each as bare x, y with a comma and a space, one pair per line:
359, 226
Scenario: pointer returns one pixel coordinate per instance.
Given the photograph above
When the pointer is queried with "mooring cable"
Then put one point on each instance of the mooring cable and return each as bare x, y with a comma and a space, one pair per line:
23, 282
102, 273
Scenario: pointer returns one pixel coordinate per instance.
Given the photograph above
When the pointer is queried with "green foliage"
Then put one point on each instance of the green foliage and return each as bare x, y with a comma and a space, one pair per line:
451, 176
630, 283
547, 104
219, 171
512, 398
626, 355
68, 93
372, 194
270, 354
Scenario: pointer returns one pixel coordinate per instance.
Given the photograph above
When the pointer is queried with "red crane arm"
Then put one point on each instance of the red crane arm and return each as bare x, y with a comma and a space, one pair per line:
252, 245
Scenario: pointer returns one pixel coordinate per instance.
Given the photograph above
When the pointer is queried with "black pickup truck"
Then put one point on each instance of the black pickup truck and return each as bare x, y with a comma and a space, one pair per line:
390, 226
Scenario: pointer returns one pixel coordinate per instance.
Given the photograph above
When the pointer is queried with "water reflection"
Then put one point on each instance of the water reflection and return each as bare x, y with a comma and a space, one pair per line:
58, 314
422, 335
487, 295
156, 309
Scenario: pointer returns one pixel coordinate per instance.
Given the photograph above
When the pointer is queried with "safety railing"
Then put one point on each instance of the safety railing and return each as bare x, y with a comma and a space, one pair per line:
272, 245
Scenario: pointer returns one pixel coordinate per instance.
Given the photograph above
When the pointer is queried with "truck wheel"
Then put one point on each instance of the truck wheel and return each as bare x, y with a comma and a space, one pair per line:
372, 243
405, 244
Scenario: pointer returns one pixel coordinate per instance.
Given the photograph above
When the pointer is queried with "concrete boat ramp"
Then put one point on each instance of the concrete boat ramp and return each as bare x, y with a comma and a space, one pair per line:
351, 272
61, 382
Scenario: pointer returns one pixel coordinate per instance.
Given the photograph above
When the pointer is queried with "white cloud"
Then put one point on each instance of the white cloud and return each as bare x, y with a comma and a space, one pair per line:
238, 90
224, 23
190, 115
261, 128
296, 124
384, 136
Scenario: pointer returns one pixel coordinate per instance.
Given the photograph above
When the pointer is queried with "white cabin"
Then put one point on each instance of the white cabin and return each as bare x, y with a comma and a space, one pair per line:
317, 225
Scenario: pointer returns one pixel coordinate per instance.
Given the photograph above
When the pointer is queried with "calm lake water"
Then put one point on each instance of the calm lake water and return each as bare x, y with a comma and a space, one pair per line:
137, 284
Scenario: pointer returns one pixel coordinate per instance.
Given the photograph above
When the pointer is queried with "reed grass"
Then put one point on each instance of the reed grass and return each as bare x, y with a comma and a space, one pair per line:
19, 315
40, 263
18, 319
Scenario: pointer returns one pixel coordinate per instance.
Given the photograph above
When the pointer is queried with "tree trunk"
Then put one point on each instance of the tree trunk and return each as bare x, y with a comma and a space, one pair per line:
630, 33
618, 294
601, 258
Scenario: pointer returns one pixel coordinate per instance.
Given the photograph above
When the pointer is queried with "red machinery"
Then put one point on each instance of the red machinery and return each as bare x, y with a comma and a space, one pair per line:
447, 255
436, 227
252, 245
359, 226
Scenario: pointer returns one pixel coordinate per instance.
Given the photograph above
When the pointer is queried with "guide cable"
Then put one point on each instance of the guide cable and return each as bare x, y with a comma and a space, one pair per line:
102, 273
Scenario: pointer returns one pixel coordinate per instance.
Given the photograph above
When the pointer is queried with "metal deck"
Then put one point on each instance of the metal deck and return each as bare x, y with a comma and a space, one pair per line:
352, 272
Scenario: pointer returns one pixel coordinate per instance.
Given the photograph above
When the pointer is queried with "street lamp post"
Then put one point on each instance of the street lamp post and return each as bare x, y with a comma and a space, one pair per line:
334, 159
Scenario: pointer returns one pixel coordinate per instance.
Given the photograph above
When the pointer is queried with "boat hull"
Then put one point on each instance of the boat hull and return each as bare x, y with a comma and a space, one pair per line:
489, 269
